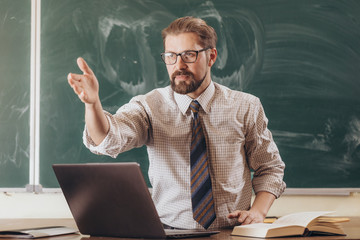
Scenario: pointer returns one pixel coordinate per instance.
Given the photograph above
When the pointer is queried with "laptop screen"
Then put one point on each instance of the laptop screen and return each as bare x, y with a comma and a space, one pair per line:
109, 199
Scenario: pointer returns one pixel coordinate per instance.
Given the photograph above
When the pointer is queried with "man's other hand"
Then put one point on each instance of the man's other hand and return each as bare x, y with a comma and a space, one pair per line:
247, 217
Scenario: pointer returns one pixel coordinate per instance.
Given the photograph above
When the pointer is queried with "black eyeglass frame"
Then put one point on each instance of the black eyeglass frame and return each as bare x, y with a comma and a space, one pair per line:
182, 54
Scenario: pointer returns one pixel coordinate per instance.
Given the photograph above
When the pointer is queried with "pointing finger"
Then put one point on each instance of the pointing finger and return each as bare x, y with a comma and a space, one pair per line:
84, 67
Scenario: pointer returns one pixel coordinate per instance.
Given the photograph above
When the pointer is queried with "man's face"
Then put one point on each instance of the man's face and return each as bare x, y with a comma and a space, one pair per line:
188, 78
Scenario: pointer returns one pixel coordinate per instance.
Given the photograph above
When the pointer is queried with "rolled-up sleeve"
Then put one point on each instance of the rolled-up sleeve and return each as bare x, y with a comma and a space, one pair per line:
263, 155
129, 128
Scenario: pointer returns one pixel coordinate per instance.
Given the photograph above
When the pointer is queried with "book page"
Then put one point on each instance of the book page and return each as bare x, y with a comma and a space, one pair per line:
37, 232
256, 225
300, 219
49, 231
263, 226
265, 230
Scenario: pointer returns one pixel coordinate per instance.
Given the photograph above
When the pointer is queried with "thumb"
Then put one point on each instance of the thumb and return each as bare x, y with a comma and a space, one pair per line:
82, 96
83, 66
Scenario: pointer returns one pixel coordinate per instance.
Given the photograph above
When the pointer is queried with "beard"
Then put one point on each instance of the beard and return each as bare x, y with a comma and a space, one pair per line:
183, 87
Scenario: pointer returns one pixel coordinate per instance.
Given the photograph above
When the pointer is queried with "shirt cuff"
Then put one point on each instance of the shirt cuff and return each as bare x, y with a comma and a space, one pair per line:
101, 148
272, 185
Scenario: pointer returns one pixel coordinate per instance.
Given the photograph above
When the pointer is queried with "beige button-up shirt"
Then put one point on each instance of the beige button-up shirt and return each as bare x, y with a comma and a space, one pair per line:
237, 138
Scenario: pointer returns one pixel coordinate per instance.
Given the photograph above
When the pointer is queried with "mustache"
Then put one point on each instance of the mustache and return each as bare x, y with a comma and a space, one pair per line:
181, 72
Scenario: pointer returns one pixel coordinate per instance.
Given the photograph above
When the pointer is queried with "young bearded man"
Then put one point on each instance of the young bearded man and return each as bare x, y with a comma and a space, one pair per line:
202, 138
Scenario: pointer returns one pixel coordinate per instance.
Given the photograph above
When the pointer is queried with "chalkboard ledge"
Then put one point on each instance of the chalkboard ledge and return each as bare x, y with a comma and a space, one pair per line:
288, 191
321, 191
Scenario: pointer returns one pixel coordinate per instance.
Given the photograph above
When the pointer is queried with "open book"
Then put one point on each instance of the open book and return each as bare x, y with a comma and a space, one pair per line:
37, 232
296, 224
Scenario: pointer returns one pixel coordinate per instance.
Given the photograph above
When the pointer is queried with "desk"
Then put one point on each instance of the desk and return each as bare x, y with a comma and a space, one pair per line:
352, 229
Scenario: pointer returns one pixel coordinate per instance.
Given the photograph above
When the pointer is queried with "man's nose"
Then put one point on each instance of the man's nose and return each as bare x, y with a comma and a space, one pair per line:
180, 64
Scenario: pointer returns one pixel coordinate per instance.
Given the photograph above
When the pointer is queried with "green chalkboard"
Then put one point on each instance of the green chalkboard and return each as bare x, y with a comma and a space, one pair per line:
14, 92
302, 58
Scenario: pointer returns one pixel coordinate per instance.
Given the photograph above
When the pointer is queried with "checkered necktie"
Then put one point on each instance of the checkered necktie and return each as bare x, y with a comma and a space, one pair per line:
201, 192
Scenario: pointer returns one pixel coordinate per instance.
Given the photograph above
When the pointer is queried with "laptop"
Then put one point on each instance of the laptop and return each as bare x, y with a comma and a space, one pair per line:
113, 200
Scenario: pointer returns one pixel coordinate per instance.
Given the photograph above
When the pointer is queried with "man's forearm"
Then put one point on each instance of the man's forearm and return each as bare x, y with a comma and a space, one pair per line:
263, 202
96, 122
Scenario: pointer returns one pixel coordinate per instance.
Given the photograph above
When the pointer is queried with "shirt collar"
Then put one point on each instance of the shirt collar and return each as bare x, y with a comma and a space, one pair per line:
183, 101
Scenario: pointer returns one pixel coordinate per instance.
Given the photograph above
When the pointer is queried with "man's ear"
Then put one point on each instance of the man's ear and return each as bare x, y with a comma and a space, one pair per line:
213, 55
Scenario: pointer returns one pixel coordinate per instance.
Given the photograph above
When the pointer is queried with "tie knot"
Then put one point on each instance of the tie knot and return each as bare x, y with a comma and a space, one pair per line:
194, 106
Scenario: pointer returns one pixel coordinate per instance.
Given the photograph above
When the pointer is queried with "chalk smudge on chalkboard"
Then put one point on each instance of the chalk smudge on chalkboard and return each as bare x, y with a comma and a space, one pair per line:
123, 42
352, 140
301, 140
13, 149
240, 53
348, 144
14, 98
128, 32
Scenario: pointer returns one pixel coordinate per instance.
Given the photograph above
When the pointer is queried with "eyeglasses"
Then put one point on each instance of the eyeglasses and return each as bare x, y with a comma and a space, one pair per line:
189, 56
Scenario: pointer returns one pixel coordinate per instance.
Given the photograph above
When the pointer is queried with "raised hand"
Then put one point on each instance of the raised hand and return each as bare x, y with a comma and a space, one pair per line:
85, 85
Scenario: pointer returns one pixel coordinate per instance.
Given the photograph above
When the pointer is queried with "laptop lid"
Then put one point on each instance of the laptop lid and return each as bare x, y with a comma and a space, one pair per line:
109, 199
112, 199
